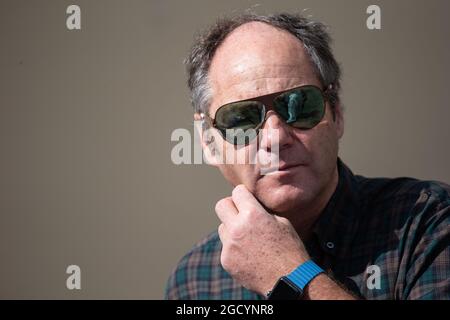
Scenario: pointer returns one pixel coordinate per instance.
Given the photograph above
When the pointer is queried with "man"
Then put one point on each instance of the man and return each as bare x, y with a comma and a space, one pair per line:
312, 229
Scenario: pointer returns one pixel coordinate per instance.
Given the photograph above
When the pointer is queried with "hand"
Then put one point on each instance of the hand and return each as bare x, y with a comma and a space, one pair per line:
258, 248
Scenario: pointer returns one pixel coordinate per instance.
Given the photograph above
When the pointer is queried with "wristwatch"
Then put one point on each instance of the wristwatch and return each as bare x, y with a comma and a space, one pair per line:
291, 287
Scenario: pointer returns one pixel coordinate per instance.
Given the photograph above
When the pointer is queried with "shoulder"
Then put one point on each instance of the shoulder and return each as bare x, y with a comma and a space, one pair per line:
199, 275
196, 265
404, 188
402, 213
402, 198
403, 228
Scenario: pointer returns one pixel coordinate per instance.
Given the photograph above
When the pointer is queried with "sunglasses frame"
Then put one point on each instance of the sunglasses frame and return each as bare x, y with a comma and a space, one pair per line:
263, 100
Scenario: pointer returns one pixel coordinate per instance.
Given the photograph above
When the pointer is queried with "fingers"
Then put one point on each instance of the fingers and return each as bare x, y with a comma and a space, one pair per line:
241, 203
226, 210
222, 232
244, 200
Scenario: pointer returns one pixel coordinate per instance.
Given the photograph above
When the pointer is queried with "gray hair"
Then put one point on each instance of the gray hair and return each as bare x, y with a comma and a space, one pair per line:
312, 34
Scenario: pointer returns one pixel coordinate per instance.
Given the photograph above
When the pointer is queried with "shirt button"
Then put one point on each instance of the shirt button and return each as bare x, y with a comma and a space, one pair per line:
330, 245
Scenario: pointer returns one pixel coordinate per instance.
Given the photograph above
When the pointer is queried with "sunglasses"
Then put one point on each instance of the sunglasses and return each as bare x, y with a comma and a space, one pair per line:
240, 122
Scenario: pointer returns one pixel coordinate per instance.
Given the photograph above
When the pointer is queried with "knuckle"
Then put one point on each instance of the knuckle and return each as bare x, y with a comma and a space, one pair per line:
221, 230
238, 231
225, 261
251, 215
253, 212
283, 220
219, 205
238, 189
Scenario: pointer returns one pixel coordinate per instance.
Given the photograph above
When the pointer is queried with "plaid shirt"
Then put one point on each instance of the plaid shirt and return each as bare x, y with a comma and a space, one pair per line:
401, 225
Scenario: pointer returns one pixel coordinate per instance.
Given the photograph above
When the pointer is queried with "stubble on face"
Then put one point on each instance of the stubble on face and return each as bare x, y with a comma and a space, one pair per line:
255, 60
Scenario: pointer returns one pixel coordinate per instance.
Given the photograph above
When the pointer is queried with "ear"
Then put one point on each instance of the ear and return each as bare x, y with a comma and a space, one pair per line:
208, 138
339, 120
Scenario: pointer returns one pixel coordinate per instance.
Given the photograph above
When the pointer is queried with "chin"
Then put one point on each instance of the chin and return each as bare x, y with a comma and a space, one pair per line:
284, 198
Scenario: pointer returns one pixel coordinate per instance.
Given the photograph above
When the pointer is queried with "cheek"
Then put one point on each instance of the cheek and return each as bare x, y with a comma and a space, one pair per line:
321, 143
240, 174
237, 167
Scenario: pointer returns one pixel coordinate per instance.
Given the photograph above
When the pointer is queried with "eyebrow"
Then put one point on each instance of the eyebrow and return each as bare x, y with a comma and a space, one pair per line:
269, 95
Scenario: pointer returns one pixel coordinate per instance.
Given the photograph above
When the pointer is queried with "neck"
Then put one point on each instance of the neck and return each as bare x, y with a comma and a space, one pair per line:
304, 222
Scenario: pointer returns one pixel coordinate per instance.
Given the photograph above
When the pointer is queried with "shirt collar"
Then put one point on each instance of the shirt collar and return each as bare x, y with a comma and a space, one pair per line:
338, 221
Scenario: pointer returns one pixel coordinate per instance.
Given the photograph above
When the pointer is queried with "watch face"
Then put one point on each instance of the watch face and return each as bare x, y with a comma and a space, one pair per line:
285, 290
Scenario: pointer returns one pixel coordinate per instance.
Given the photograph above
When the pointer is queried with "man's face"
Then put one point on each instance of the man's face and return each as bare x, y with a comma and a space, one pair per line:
255, 60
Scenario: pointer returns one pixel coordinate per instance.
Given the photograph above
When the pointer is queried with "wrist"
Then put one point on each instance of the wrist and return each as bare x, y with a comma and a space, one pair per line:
293, 285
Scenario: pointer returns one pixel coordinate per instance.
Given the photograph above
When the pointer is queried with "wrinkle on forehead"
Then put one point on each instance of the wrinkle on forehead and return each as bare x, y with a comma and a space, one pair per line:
259, 81
258, 59
263, 80
244, 73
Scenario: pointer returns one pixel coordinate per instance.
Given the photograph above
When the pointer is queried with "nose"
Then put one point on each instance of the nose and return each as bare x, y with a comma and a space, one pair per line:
275, 132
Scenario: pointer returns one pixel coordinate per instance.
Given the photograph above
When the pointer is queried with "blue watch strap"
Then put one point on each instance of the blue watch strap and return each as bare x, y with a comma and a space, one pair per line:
304, 273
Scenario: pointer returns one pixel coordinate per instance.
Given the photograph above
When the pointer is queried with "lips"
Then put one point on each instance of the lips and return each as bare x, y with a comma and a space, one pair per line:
281, 166
282, 169
287, 166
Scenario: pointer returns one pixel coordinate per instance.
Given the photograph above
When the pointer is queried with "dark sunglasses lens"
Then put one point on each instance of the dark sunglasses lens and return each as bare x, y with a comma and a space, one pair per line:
302, 108
238, 122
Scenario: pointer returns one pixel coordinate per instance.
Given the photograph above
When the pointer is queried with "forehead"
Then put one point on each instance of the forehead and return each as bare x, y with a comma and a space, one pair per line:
257, 59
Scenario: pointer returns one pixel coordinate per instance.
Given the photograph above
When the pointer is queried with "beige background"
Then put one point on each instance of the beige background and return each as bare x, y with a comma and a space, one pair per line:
86, 117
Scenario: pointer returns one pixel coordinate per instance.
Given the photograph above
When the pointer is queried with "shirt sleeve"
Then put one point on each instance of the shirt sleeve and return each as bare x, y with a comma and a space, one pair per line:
177, 287
427, 253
